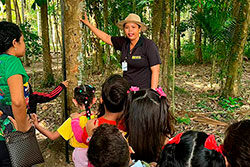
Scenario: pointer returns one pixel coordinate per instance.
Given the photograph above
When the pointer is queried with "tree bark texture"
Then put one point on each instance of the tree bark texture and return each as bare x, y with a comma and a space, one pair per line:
236, 55
18, 17
8, 10
198, 51
48, 78
178, 21
72, 46
157, 20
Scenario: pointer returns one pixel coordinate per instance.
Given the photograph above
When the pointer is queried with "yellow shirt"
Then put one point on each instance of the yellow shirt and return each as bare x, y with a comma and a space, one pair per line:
65, 130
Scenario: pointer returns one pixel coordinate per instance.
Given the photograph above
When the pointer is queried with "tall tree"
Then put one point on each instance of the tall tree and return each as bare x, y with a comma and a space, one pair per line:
72, 45
242, 16
165, 54
157, 20
18, 16
178, 21
198, 51
8, 10
48, 78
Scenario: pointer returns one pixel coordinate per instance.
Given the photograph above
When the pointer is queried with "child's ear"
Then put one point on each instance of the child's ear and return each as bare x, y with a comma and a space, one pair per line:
131, 151
75, 102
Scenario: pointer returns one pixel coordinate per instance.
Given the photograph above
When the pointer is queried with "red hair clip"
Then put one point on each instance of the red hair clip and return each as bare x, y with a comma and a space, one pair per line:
175, 139
211, 144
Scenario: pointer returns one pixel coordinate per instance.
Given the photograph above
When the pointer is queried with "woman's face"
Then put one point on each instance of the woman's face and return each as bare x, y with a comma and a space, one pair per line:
20, 47
132, 30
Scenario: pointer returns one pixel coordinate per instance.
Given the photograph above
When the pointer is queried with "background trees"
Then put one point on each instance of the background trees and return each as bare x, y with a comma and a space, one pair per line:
220, 29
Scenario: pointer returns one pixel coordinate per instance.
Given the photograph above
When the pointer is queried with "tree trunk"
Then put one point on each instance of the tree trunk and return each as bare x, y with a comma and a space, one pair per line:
106, 47
157, 20
166, 58
236, 55
18, 17
178, 33
48, 78
23, 7
8, 10
198, 51
72, 46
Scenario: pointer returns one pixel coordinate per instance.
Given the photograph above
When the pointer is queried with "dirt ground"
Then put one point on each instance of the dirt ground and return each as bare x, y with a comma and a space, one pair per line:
197, 108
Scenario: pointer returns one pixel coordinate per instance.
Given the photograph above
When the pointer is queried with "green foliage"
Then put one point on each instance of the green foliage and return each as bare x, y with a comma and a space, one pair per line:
231, 104
188, 56
33, 47
203, 106
3, 2
186, 120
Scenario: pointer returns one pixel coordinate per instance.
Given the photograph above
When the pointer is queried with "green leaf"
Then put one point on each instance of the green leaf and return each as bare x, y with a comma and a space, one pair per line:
3, 1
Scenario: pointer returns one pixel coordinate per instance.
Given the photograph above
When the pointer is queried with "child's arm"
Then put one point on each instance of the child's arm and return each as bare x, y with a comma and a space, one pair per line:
45, 132
46, 97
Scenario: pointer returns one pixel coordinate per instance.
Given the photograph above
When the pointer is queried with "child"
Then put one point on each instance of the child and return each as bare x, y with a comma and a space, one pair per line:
108, 148
38, 97
196, 149
114, 97
148, 123
237, 144
83, 98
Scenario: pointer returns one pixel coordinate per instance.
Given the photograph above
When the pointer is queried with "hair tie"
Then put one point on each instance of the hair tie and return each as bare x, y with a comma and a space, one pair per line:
161, 92
80, 90
212, 145
133, 89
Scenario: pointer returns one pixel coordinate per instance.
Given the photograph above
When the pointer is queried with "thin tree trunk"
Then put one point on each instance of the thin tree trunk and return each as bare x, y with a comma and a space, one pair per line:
198, 51
23, 7
236, 55
166, 59
48, 78
8, 10
72, 46
157, 20
106, 47
178, 33
18, 17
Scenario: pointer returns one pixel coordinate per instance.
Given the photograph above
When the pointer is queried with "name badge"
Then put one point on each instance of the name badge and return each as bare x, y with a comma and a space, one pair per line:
124, 66
136, 57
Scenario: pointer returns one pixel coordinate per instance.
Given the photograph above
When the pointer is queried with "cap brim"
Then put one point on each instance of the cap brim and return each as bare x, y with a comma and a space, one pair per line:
121, 23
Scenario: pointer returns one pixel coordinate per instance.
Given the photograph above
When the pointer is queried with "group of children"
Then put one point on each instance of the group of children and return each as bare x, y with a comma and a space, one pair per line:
135, 127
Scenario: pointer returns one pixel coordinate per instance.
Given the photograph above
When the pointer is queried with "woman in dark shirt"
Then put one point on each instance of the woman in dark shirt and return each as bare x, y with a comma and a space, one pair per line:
140, 57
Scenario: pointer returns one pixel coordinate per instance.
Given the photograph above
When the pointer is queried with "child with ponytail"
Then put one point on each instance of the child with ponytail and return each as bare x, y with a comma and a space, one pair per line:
148, 123
84, 98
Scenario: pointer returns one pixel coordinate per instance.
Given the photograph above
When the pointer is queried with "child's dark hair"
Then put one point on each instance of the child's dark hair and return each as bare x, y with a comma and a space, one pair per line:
190, 151
84, 95
148, 122
237, 144
114, 93
108, 148
8, 32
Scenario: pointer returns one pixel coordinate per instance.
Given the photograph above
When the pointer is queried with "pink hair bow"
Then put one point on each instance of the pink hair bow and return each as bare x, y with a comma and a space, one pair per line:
175, 139
161, 92
212, 145
133, 89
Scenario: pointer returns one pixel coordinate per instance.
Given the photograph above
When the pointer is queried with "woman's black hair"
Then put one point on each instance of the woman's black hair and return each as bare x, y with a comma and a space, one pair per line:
8, 32
84, 95
148, 123
190, 152
114, 93
237, 144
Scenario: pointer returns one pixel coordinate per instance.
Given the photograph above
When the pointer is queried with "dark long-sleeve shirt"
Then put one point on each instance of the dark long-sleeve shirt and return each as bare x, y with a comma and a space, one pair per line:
38, 97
